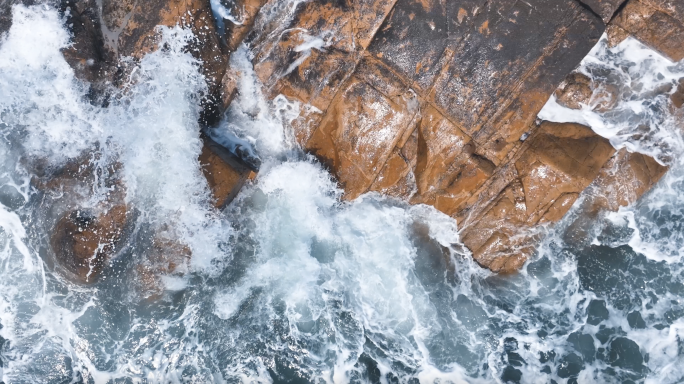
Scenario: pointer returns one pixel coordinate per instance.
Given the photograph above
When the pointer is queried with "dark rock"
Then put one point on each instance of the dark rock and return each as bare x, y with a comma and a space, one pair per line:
569, 366
225, 173
635, 320
624, 353
604, 8
584, 344
597, 312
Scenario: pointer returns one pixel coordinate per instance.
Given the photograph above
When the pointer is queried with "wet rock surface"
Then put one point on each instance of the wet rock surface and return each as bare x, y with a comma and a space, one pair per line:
225, 173
426, 100
88, 224
657, 23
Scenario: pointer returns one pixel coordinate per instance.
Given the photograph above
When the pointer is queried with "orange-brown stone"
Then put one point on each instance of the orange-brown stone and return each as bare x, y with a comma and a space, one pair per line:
539, 185
84, 236
657, 23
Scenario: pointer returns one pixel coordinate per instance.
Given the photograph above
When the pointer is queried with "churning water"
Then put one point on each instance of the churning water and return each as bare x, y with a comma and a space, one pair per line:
289, 283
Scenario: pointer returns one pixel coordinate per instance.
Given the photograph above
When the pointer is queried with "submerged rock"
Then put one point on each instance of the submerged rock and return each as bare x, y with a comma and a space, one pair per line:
86, 203
83, 241
574, 91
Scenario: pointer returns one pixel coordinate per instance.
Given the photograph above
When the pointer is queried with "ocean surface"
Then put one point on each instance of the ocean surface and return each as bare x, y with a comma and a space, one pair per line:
290, 284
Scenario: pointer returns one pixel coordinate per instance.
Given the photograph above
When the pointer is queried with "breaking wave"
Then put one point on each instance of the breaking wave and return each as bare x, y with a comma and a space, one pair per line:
290, 283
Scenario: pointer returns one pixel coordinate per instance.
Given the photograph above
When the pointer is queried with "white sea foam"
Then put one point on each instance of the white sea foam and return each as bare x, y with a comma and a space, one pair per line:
292, 282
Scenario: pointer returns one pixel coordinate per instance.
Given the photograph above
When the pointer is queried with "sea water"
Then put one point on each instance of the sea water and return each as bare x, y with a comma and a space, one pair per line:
290, 284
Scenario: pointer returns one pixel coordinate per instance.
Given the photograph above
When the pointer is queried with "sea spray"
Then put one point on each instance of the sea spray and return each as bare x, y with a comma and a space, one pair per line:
290, 282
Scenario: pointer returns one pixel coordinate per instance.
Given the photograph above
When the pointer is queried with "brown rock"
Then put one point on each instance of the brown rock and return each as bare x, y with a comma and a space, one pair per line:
578, 89
623, 180
574, 91
84, 241
165, 257
245, 12
225, 173
616, 35
538, 186
657, 23
678, 96
84, 236
364, 123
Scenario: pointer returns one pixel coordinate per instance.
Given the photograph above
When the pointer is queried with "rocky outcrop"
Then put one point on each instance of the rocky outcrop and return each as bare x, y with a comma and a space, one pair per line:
657, 23
431, 101
471, 72
579, 90
623, 180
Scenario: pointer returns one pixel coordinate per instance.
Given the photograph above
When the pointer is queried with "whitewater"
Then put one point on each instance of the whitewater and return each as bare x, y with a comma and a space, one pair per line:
291, 284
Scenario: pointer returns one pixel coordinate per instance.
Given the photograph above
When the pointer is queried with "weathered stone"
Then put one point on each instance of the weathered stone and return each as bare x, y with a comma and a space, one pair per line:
165, 257
616, 35
224, 172
604, 8
429, 107
503, 73
574, 91
87, 54
623, 180
538, 186
578, 89
657, 23
244, 12
115, 13
364, 123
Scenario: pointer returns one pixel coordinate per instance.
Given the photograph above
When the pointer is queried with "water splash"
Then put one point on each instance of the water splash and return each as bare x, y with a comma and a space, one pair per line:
289, 282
